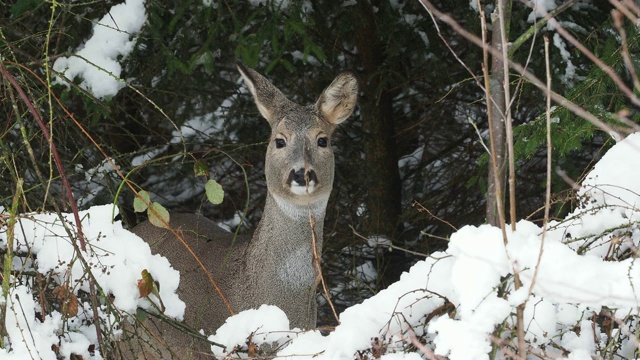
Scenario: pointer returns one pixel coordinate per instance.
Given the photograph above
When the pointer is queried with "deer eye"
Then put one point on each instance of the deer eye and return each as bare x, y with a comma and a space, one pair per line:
322, 142
280, 143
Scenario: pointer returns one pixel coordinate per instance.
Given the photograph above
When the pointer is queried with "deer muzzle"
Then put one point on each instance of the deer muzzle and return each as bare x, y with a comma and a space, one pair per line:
302, 181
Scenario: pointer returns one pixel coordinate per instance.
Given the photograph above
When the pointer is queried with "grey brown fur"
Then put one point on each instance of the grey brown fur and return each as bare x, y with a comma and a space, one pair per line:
275, 265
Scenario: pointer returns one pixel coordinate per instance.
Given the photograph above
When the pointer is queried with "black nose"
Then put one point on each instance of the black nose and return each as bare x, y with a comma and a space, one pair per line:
300, 179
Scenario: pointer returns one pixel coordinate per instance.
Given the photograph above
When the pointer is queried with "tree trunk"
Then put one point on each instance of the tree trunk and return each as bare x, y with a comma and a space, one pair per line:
382, 176
496, 184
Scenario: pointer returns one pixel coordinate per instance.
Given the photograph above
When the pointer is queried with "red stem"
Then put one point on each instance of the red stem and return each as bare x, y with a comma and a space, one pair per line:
54, 151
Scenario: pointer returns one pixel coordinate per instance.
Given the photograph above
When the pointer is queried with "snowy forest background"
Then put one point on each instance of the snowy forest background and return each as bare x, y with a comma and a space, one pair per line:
156, 104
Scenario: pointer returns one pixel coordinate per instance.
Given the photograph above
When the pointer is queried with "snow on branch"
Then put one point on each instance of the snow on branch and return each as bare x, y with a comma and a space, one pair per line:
97, 60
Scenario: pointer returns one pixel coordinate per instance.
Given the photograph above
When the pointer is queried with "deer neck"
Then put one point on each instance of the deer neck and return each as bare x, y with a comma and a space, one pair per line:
281, 246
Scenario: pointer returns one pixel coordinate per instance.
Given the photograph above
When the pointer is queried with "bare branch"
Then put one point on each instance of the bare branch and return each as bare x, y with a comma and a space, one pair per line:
557, 98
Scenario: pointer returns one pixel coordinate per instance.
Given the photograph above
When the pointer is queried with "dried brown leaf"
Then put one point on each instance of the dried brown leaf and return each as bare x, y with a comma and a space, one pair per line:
68, 299
145, 285
253, 349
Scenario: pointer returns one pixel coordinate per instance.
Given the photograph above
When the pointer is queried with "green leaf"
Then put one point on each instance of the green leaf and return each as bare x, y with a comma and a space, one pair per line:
158, 215
200, 168
214, 192
22, 6
141, 314
141, 202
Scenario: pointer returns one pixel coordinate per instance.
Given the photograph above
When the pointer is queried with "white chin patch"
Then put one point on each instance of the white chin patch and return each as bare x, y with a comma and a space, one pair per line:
302, 189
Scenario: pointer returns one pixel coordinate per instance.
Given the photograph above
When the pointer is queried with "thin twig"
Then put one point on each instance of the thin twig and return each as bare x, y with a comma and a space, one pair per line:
394, 247
624, 328
422, 208
547, 203
622, 8
428, 353
503, 346
618, 22
317, 260
8, 260
504, 13
318, 267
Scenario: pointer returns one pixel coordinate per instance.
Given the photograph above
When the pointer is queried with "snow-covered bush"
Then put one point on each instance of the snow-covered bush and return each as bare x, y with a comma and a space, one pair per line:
60, 297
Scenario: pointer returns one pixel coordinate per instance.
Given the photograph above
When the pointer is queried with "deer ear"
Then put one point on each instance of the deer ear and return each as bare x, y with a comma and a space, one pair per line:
266, 96
339, 99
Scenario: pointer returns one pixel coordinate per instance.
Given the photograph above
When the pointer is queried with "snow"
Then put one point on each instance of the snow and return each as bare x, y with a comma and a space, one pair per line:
615, 186
563, 289
116, 258
540, 9
278, 4
20, 314
265, 325
97, 60
117, 271
410, 161
570, 76
210, 3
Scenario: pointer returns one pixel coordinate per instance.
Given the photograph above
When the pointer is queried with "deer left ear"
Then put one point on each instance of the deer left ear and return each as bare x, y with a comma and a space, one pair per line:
266, 96
339, 99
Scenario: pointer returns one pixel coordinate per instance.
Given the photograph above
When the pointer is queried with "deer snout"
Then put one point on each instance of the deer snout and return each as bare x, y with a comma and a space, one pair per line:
302, 181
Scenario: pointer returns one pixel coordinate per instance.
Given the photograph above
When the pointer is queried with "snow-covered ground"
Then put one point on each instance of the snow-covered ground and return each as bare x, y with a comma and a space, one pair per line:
578, 277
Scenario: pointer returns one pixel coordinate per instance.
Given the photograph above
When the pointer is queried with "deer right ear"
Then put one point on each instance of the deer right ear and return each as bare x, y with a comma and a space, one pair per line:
266, 96
339, 99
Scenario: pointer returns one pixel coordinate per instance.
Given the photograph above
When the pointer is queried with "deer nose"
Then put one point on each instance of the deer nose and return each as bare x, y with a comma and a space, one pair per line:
300, 178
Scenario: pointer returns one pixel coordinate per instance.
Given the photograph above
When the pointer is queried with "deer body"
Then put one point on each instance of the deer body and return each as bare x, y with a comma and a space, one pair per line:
276, 265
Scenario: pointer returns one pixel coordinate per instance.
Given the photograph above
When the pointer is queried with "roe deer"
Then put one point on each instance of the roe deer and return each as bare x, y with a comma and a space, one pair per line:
275, 266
